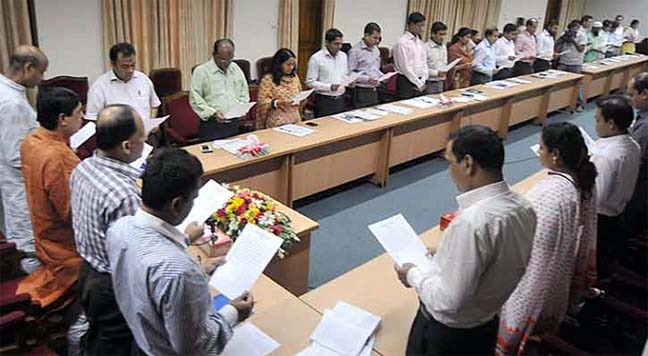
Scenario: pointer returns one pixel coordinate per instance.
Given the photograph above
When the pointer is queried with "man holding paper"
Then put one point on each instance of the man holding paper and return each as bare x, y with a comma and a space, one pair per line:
410, 59
364, 58
436, 58
482, 255
161, 290
217, 86
327, 74
505, 51
484, 58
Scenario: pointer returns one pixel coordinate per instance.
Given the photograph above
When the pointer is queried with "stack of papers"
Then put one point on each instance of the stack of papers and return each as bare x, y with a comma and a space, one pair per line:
346, 330
501, 84
401, 242
211, 197
396, 109
246, 260
83, 135
551, 73
295, 130
238, 110
154, 122
249, 340
140, 163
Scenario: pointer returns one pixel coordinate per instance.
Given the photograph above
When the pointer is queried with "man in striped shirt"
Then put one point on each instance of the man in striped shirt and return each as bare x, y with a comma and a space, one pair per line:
103, 189
161, 290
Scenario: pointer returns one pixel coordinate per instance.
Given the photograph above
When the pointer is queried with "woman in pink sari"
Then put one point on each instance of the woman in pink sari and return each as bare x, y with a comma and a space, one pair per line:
562, 266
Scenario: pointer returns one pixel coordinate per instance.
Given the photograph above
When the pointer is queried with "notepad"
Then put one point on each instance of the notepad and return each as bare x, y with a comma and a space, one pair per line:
302, 96
211, 197
154, 122
83, 135
249, 340
294, 130
396, 109
402, 243
140, 163
246, 260
238, 110
386, 76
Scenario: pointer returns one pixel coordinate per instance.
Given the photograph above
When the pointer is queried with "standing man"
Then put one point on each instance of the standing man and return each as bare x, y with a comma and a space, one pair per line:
637, 209
104, 189
484, 58
215, 87
525, 47
123, 85
572, 60
410, 59
482, 256
437, 58
27, 65
327, 70
162, 291
615, 38
585, 27
596, 43
364, 58
505, 51
545, 47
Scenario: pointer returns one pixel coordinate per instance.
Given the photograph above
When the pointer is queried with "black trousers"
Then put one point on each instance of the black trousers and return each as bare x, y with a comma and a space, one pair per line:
522, 68
611, 241
213, 130
503, 74
328, 105
429, 337
363, 97
108, 333
540, 65
480, 78
405, 89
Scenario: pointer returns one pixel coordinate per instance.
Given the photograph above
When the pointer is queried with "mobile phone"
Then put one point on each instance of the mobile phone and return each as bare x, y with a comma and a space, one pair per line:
309, 123
206, 149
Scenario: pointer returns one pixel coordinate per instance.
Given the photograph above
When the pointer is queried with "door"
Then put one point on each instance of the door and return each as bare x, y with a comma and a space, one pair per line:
310, 33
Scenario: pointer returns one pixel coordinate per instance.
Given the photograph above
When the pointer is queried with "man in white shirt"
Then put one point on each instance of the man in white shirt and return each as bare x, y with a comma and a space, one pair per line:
437, 58
615, 37
410, 59
545, 47
327, 70
122, 84
27, 66
484, 63
505, 52
586, 23
617, 157
482, 255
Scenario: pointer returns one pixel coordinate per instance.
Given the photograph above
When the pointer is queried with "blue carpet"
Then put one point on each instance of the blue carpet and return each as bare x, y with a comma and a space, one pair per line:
422, 192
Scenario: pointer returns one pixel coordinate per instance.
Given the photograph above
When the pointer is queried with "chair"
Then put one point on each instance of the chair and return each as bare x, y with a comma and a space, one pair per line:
346, 47
183, 123
79, 85
264, 65
244, 64
166, 81
384, 56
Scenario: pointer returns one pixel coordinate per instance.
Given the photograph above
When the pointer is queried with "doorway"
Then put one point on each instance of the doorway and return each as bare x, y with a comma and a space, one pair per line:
310, 33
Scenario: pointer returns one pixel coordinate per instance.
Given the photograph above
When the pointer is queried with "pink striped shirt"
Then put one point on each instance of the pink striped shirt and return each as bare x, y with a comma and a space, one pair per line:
525, 46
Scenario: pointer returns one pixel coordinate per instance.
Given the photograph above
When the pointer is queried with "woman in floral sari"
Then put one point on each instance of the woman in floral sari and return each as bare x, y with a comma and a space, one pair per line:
562, 266
276, 92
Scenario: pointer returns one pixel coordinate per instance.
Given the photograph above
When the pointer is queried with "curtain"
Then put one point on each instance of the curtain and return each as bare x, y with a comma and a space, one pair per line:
167, 33
14, 28
288, 25
328, 12
570, 10
476, 14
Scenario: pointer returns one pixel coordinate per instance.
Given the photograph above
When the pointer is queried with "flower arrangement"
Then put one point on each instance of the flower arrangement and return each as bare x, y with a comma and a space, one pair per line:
249, 206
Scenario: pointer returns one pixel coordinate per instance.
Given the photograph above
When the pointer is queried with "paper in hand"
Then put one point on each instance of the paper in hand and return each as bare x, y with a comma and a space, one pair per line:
348, 80
301, 96
140, 163
238, 110
154, 122
386, 76
246, 260
450, 65
399, 239
211, 197
536, 149
81, 136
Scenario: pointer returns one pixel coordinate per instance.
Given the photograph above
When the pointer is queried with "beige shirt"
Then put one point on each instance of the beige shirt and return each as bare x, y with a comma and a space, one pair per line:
436, 58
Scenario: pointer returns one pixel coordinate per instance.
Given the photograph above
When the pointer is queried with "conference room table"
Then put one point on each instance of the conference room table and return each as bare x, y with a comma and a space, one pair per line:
339, 152
602, 78
375, 287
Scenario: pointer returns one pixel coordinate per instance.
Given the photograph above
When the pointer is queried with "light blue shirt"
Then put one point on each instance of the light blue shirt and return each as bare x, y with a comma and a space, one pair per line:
484, 58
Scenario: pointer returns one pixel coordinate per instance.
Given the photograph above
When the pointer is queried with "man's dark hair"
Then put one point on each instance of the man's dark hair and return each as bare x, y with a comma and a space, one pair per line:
607, 23
481, 143
617, 108
372, 27
640, 82
52, 102
170, 173
510, 27
550, 24
125, 49
634, 22
574, 24
222, 42
585, 19
415, 17
489, 31
519, 21
118, 127
332, 34
438, 27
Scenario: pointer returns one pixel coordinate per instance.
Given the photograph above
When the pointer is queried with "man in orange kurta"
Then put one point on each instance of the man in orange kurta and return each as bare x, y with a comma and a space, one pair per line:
47, 163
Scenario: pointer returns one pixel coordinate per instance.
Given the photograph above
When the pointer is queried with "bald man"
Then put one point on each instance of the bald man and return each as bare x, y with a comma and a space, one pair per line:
27, 65
104, 189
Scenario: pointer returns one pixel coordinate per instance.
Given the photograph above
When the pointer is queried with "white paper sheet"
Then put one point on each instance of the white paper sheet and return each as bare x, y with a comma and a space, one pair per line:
461, 99
90, 117
294, 130
211, 197
415, 102
501, 84
376, 112
339, 335
249, 340
450, 65
357, 316
221, 143
364, 115
238, 110
564, 52
348, 80
519, 81
386, 76
301, 96
246, 260
347, 117
83, 135
396, 109
140, 163
399, 239
232, 146
536, 149
154, 122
